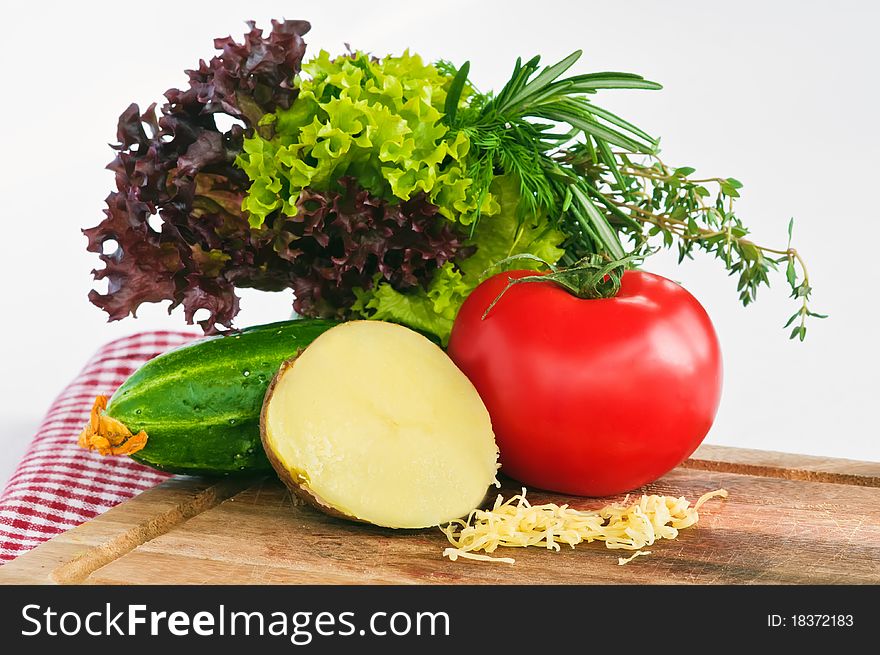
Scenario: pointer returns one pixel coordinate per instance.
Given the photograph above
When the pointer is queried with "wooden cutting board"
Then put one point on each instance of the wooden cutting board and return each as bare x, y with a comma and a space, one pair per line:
789, 519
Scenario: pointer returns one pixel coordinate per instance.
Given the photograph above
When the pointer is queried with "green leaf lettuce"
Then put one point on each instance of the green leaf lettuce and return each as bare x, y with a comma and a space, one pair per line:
376, 120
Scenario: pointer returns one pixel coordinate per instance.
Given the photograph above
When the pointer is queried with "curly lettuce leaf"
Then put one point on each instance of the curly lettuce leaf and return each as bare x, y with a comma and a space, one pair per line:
180, 165
433, 309
376, 120
341, 242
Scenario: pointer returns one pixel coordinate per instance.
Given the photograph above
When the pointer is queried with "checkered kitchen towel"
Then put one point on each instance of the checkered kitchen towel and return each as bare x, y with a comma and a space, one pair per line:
58, 485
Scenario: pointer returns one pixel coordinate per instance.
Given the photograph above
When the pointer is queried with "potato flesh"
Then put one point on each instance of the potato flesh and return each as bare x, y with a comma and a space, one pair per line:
378, 423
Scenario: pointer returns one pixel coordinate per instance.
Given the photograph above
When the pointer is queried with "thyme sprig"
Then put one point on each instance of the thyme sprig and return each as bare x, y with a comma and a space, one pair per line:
687, 212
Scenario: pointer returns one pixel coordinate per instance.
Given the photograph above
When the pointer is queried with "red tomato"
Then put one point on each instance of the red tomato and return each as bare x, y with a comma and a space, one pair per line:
591, 397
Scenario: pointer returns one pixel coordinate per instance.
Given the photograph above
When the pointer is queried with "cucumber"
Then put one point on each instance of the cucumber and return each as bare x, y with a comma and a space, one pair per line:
200, 404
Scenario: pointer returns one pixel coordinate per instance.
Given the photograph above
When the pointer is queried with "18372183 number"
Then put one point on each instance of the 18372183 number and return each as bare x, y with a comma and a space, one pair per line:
822, 620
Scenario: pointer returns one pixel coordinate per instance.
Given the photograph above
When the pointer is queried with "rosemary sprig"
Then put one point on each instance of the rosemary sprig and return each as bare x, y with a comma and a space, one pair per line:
599, 178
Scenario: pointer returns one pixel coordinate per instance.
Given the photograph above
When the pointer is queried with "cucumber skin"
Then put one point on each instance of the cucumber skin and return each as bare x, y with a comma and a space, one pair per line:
200, 403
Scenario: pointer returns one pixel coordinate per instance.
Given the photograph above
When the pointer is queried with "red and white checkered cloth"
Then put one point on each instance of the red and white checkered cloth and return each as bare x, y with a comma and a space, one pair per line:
58, 485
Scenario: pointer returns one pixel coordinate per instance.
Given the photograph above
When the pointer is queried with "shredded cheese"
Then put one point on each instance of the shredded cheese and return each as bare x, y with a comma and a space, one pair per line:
107, 435
516, 523
454, 553
626, 560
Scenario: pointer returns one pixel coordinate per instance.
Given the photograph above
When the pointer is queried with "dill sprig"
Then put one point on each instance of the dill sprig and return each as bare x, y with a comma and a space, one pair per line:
599, 178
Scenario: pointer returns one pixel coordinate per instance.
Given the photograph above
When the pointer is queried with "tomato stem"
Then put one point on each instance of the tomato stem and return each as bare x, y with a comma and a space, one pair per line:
589, 278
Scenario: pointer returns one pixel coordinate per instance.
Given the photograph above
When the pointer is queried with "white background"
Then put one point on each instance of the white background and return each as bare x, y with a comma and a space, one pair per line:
781, 95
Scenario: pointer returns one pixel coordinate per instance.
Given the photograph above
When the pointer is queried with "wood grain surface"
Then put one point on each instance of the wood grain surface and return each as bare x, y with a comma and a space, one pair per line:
789, 519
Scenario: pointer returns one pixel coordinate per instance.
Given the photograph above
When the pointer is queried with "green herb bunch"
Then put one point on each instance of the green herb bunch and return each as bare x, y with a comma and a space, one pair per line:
601, 181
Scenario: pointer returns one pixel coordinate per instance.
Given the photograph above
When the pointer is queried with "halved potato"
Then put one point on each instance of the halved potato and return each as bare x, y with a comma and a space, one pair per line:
375, 423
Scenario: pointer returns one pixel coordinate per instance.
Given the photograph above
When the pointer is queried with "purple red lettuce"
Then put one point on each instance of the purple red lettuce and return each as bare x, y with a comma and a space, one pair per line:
176, 164
179, 165
348, 239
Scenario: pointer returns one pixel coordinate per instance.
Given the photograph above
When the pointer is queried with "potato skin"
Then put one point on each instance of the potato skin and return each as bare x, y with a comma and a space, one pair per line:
282, 471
